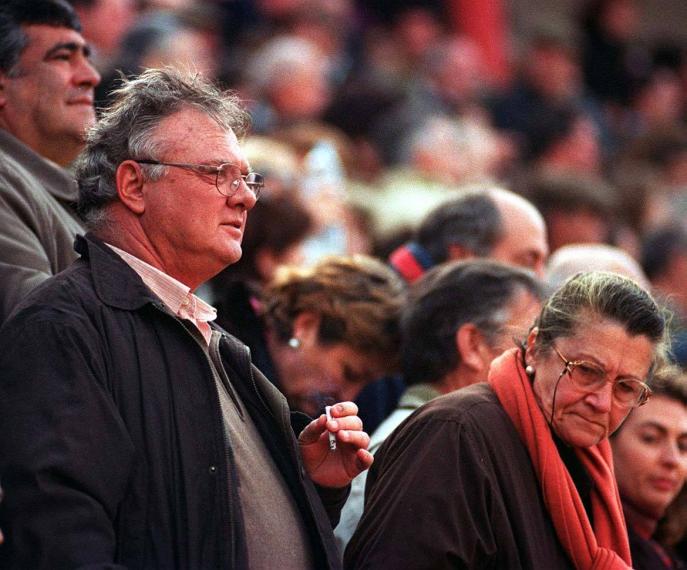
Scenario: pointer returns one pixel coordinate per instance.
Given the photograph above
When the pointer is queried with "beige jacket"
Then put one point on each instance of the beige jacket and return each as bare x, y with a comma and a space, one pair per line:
37, 220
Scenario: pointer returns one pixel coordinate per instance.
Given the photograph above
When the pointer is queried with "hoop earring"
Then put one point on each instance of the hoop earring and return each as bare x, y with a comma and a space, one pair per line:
294, 343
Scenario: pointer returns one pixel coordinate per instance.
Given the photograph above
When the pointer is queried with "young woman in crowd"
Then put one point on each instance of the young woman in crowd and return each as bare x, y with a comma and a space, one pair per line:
650, 457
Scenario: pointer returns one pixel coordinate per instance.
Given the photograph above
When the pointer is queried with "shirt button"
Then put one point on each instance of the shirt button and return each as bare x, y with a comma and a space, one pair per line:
213, 469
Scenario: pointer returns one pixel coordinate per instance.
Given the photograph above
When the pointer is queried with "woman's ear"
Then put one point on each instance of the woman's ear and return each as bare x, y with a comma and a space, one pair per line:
306, 327
530, 349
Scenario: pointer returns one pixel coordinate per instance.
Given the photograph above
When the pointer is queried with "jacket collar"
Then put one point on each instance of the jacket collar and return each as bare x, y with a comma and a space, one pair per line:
115, 283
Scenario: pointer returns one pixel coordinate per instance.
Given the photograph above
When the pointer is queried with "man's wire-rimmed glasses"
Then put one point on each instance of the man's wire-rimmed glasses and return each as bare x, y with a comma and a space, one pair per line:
587, 376
228, 176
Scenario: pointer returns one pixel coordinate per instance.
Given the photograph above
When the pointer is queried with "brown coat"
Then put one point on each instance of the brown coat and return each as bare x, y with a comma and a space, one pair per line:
454, 487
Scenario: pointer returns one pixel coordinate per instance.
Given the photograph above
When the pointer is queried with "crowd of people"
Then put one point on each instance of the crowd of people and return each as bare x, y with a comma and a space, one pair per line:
302, 285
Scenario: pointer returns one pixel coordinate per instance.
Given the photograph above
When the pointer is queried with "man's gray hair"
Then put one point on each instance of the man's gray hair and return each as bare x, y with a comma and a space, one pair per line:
126, 130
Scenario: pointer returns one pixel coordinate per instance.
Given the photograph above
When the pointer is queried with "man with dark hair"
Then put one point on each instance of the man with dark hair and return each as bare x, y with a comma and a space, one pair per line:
46, 106
133, 432
490, 222
459, 317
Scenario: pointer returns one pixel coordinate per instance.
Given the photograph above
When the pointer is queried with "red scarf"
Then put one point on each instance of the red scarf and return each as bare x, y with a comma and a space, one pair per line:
606, 546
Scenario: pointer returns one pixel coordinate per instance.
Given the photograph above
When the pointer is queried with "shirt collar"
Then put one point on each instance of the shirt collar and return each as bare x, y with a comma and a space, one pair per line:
173, 293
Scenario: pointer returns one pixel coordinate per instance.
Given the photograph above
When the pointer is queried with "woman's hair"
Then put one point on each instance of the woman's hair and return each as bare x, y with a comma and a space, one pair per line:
603, 294
357, 298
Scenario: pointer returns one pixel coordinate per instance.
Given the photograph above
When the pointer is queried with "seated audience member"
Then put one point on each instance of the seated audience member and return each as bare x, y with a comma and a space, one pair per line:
517, 472
664, 259
134, 433
332, 328
460, 315
570, 259
491, 222
46, 105
274, 233
650, 457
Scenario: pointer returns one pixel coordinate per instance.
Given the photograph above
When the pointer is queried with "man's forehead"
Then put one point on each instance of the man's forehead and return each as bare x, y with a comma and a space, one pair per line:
197, 136
42, 37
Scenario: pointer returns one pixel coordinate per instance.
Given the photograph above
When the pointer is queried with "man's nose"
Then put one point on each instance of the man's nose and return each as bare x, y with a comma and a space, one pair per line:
86, 74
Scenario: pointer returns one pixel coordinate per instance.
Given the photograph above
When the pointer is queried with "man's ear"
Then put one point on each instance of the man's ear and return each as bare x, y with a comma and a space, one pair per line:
472, 348
129, 178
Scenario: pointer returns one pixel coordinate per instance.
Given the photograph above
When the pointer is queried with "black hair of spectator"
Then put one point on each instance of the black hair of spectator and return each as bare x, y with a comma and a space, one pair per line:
659, 246
472, 221
446, 298
14, 14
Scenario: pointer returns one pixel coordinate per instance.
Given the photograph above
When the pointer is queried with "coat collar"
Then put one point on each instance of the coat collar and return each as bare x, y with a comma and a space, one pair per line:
115, 283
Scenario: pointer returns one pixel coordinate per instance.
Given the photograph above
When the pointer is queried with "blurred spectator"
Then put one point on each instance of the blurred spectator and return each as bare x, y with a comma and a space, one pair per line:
490, 222
160, 38
325, 161
547, 101
563, 139
658, 103
328, 24
613, 60
459, 317
571, 259
332, 328
104, 23
449, 82
442, 154
288, 83
575, 209
650, 459
664, 259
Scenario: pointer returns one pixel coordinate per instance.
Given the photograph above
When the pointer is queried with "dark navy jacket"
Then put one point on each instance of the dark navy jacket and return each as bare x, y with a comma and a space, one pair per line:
112, 450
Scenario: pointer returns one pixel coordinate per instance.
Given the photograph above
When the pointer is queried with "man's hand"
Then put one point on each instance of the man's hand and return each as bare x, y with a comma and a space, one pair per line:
335, 468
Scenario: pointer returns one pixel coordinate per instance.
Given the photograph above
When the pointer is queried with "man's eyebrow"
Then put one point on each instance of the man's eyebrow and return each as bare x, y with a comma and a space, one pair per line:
69, 46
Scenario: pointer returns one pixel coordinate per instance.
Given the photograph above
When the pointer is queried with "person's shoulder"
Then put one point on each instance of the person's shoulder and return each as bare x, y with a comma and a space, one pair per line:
65, 297
463, 401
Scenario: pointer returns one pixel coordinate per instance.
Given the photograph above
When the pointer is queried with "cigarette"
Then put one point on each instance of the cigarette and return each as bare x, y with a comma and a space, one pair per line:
332, 437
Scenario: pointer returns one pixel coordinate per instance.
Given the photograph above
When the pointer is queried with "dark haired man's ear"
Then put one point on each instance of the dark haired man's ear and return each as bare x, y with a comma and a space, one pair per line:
473, 349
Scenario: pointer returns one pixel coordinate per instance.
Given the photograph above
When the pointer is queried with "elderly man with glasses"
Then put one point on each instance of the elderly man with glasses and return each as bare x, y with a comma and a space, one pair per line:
133, 432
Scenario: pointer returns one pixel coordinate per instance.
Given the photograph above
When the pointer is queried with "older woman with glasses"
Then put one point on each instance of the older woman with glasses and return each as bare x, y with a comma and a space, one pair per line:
517, 472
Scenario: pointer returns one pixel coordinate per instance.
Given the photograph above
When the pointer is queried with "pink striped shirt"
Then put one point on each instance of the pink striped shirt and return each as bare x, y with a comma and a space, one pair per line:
174, 294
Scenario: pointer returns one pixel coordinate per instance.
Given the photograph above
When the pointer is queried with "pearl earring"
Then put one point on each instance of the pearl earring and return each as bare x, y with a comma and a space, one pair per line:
294, 343
529, 370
